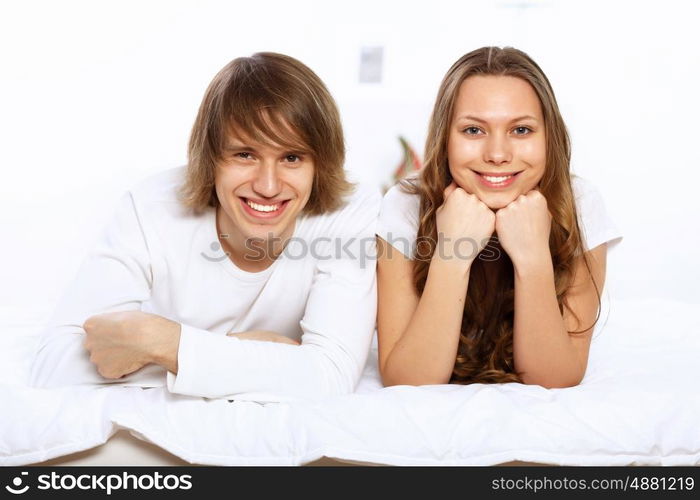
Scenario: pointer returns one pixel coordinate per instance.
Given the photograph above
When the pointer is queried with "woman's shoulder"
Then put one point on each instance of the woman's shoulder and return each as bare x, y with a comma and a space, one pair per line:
582, 186
403, 196
595, 221
399, 214
587, 196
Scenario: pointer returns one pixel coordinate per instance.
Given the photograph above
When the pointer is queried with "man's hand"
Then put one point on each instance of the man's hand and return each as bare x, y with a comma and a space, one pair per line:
120, 343
264, 335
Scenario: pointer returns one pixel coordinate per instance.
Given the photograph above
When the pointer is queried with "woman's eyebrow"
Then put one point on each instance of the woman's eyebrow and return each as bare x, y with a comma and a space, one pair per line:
476, 118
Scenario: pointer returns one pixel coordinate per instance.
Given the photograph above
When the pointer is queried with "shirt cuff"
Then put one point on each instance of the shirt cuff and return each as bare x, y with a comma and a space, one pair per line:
192, 341
198, 350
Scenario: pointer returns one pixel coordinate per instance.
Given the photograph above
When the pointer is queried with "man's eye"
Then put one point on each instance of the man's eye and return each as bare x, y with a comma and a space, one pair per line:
468, 129
243, 155
292, 158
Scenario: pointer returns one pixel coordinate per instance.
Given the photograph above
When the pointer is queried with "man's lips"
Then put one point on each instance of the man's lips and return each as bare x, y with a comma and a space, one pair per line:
264, 202
497, 174
263, 210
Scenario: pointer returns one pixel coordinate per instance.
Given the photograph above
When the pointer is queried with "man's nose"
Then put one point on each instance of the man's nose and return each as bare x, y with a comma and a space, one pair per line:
267, 182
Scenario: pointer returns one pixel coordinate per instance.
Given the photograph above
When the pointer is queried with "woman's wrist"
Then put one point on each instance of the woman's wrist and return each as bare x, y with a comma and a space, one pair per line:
452, 263
540, 264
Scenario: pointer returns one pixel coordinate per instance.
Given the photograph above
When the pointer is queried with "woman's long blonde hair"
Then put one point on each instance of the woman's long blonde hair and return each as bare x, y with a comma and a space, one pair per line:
485, 352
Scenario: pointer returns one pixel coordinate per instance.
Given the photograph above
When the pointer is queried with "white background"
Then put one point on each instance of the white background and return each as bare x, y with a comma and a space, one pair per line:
96, 95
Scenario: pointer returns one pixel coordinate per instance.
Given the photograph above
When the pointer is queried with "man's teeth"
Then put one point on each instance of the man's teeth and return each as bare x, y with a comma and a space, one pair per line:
262, 208
496, 179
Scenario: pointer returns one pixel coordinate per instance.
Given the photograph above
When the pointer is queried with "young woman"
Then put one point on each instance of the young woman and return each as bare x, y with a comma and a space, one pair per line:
502, 280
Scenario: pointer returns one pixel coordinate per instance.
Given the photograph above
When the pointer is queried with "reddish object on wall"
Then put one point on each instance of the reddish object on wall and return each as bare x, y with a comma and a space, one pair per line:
410, 163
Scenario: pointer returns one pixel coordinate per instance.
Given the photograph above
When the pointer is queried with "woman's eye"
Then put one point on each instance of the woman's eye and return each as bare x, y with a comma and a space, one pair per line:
244, 155
518, 130
292, 158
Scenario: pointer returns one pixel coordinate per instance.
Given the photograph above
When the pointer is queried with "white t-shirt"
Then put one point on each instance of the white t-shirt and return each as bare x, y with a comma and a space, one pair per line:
158, 257
398, 218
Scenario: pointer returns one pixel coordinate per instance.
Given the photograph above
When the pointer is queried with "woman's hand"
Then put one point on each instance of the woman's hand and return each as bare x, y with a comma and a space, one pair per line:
264, 335
120, 343
463, 216
523, 228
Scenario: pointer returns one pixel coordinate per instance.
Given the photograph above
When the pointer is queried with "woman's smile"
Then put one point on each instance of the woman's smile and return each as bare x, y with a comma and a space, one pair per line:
497, 181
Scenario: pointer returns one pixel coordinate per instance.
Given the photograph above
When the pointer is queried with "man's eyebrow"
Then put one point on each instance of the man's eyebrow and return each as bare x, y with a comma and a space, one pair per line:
238, 147
477, 119
291, 149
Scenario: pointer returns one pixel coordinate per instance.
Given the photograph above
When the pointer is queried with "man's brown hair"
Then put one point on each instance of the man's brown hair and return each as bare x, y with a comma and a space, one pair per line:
272, 99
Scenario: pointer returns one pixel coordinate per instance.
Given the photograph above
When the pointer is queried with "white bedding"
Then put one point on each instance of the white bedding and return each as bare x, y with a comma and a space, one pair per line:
638, 404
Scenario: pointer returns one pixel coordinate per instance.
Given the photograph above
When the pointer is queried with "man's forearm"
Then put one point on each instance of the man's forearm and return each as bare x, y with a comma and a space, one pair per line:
542, 348
167, 333
62, 360
164, 350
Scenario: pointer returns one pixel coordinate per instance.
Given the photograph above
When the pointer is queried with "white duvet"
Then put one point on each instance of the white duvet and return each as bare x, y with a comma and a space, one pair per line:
638, 404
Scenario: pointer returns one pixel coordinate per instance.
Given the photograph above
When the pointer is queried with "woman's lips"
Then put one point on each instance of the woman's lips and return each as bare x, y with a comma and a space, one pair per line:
264, 215
497, 185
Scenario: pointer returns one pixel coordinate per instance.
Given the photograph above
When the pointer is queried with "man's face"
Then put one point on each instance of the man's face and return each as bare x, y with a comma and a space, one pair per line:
491, 135
262, 188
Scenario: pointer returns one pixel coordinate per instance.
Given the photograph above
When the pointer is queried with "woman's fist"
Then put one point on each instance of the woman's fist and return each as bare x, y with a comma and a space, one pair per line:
464, 224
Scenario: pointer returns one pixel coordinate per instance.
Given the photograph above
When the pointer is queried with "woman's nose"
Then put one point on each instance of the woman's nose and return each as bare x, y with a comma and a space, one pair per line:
497, 150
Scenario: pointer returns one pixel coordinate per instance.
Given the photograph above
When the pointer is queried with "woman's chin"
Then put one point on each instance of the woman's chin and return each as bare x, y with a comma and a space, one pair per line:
497, 203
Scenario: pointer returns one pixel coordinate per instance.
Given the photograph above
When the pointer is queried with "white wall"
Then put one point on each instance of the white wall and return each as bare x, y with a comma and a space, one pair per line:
96, 95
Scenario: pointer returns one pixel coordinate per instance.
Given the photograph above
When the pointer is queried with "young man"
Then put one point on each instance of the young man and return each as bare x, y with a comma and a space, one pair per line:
247, 274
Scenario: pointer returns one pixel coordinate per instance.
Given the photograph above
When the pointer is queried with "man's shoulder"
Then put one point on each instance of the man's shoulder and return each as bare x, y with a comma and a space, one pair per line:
156, 198
363, 203
360, 208
160, 187
364, 198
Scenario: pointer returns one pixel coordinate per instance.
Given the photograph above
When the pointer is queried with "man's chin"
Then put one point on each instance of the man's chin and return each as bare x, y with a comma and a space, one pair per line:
264, 230
262, 236
267, 233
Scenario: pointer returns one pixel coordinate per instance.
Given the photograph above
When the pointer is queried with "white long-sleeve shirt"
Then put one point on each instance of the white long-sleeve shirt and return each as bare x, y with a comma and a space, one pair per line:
157, 257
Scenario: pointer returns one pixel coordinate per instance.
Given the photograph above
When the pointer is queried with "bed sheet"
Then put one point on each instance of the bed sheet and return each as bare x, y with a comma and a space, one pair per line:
637, 405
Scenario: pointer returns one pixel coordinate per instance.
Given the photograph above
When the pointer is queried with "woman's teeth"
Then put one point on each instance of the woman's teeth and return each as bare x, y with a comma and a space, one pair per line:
496, 179
262, 208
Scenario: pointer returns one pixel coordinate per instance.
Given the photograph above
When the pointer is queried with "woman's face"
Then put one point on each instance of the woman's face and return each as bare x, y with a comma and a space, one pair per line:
496, 148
